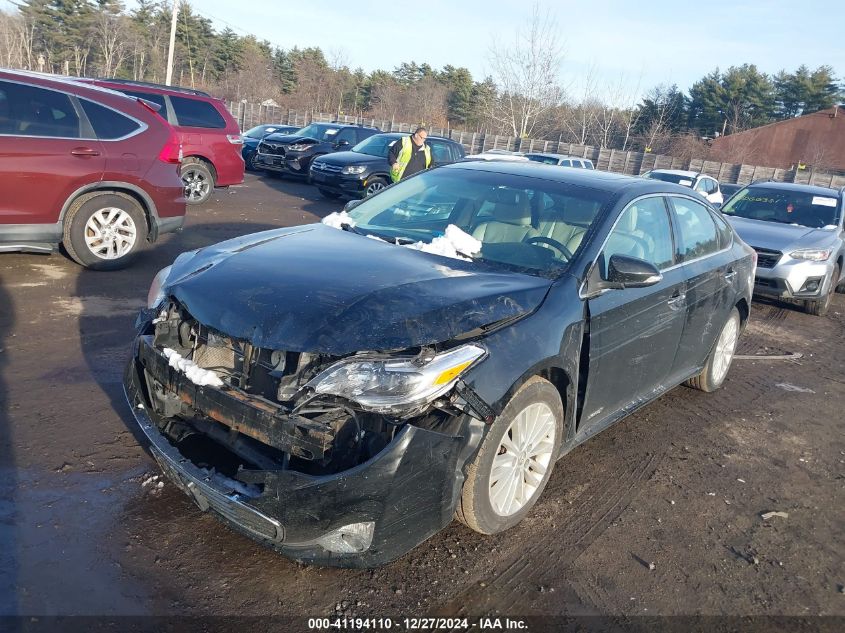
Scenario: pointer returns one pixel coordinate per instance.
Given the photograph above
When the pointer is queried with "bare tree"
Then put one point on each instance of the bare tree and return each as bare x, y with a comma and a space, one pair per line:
111, 37
579, 118
528, 74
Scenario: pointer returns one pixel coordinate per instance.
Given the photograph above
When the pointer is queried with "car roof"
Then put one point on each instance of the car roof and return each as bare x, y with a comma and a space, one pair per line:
338, 125
678, 172
591, 178
794, 186
551, 155
401, 134
147, 85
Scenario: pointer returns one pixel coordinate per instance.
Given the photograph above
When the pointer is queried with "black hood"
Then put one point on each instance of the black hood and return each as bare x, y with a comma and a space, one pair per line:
352, 158
289, 139
322, 290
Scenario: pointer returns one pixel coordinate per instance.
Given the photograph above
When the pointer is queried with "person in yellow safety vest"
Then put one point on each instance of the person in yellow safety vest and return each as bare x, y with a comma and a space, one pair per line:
409, 155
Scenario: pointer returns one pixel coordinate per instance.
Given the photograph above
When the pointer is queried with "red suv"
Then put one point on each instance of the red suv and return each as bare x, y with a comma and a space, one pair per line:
211, 138
86, 167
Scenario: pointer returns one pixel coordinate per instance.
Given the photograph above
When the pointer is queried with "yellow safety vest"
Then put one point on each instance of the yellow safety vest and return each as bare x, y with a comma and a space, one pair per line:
405, 157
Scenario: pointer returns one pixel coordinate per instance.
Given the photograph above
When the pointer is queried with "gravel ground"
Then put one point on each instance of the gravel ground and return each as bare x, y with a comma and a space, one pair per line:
661, 514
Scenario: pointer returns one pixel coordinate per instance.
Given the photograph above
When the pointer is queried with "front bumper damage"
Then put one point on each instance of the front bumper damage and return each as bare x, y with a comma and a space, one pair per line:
363, 516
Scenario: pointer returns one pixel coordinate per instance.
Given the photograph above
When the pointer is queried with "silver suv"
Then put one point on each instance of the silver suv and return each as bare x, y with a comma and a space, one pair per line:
798, 234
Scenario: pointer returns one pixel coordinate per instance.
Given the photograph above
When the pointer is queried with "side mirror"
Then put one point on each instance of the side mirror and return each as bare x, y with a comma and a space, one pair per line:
352, 204
631, 272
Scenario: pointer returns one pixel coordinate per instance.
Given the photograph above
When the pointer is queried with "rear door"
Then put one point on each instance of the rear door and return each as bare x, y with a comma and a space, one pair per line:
441, 152
634, 332
708, 265
46, 153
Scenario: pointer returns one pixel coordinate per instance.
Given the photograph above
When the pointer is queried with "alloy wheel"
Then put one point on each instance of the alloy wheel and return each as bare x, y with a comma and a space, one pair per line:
725, 348
110, 233
374, 187
196, 184
522, 460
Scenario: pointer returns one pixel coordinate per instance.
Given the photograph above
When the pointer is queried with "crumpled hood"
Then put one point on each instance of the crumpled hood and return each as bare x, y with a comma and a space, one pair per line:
322, 290
780, 237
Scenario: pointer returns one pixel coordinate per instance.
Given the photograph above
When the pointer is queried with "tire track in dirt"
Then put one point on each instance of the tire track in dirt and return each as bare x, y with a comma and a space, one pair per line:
546, 560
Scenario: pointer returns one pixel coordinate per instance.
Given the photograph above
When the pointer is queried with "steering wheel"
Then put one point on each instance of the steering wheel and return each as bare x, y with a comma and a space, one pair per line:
539, 239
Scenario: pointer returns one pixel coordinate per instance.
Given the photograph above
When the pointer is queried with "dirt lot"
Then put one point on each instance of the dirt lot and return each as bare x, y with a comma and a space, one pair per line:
680, 485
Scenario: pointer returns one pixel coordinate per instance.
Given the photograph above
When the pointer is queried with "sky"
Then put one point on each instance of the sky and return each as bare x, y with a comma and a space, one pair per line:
637, 45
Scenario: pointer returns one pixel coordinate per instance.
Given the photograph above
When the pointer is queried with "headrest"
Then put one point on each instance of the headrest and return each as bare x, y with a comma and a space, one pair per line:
512, 207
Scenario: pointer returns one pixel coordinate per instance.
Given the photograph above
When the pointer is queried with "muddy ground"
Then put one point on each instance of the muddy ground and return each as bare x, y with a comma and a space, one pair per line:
679, 487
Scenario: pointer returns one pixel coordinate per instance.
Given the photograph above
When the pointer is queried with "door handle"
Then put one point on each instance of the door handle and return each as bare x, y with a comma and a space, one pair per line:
84, 152
730, 275
677, 300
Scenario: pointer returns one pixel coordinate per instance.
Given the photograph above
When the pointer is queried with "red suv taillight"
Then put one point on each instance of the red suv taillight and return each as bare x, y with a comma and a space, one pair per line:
235, 139
172, 150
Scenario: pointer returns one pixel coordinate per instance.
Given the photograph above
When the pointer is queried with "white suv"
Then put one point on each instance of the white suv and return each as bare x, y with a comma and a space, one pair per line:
705, 185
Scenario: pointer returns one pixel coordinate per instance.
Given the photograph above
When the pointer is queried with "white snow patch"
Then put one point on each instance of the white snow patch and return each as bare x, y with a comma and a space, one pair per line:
194, 373
337, 219
456, 244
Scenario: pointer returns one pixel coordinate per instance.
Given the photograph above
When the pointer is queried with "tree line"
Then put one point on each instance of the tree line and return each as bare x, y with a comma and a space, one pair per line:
523, 96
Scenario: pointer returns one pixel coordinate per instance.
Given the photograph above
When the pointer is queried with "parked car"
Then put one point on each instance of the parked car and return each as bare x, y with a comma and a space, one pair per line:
703, 184
254, 135
729, 189
797, 232
562, 160
438, 347
291, 155
364, 169
210, 136
88, 168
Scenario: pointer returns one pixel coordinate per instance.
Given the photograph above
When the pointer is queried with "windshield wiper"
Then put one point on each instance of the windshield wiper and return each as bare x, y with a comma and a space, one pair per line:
345, 226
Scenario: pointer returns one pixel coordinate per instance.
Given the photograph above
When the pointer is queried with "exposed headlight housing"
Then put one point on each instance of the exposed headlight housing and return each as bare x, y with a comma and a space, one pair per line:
298, 147
156, 294
396, 386
812, 254
354, 169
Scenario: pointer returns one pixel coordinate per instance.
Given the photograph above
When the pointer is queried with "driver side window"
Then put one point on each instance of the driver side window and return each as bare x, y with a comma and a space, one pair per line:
643, 231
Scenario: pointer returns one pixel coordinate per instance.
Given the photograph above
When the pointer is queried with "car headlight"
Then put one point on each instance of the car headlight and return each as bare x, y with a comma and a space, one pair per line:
811, 254
156, 293
354, 169
298, 147
396, 386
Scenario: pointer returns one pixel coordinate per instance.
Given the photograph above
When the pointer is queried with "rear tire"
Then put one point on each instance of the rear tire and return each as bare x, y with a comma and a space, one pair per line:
198, 180
515, 461
104, 230
719, 361
820, 307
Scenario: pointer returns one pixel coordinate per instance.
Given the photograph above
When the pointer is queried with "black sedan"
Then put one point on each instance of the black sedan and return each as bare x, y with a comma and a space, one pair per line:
254, 135
342, 391
364, 169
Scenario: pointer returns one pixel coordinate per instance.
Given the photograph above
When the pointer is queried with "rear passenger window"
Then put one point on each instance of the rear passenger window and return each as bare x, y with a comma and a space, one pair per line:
108, 124
31, 111
698, 236
440, 152
196, 113
149, 96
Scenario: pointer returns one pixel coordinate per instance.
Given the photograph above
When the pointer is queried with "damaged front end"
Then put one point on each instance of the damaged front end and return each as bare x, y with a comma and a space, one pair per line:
348, 461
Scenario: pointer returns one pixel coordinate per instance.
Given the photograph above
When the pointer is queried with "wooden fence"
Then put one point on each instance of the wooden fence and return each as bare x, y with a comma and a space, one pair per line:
627, 162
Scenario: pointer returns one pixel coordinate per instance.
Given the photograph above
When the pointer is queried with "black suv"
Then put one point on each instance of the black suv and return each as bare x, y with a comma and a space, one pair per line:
364, 170
292, 154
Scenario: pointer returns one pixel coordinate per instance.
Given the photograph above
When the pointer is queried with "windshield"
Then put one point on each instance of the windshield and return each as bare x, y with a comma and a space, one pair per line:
378, 145
787, 206
319, 131
678, 179
523, 223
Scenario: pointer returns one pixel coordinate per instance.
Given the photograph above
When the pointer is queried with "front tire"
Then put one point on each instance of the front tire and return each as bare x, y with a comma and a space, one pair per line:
721, 356
104, 231
374, 186
515, 460
198, 180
